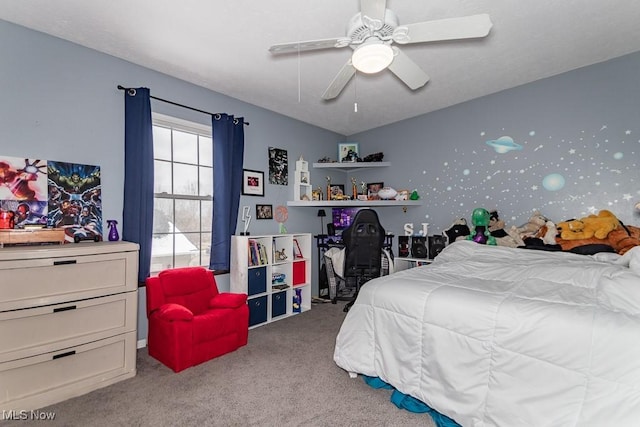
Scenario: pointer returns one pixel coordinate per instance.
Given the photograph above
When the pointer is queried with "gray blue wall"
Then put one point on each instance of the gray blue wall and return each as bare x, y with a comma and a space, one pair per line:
60, 102
572, 148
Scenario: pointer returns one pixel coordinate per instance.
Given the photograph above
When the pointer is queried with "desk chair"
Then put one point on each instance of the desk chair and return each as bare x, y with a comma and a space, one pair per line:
363, 241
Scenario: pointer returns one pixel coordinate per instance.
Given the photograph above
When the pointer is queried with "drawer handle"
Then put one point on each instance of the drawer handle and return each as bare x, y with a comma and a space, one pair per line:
258, 304
59, 309
71, 261
61, 355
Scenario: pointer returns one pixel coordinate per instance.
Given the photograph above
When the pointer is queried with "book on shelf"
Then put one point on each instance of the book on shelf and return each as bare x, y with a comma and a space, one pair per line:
257, 253
297, 252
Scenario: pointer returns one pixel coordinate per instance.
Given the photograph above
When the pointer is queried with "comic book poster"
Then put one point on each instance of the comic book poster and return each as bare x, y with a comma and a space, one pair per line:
23, 190
75, 201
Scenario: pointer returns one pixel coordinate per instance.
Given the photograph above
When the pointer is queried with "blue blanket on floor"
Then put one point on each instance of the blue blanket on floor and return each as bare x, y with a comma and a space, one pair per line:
404, 401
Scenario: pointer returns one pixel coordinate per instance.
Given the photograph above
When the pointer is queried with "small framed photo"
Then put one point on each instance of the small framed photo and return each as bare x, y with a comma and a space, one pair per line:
373, 188
264, 211
337, 190
252, 182
348, 152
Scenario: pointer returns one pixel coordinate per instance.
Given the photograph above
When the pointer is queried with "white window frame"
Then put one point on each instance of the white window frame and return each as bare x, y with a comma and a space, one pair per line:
175, 123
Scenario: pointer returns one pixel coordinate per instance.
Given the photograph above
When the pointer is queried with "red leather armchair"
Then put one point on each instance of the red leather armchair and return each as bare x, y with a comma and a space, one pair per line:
190, 321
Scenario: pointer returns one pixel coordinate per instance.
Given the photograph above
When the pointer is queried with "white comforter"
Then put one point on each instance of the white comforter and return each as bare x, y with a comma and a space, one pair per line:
495, 336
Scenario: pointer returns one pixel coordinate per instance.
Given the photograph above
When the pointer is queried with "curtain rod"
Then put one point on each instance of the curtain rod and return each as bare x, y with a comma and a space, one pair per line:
176, 104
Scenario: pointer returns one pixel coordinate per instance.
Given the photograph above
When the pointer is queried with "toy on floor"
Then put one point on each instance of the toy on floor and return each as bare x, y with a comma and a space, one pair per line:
480, 231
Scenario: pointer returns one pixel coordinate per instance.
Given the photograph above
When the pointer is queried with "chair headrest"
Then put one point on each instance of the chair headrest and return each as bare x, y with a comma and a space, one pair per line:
184, 280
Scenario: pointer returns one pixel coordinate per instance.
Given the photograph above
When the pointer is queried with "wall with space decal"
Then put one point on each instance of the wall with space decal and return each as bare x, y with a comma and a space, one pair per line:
568, 146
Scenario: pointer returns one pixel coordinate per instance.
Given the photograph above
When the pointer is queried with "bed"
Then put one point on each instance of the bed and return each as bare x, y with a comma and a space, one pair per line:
499, 336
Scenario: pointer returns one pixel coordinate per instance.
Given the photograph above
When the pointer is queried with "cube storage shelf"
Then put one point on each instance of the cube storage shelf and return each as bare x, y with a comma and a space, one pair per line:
275, 272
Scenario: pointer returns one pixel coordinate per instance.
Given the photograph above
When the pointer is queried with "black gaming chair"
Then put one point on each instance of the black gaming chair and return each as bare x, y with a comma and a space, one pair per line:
363, 241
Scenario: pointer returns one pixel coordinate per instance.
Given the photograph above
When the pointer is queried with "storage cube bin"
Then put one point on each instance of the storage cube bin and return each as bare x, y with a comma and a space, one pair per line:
257, 278
278, 304
299, 273
257, 310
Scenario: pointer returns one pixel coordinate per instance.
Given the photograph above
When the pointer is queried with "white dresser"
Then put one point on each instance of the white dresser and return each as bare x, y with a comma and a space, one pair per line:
68, 318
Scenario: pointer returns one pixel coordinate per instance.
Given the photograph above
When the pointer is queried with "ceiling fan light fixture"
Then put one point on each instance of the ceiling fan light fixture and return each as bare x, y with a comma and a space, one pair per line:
372, 58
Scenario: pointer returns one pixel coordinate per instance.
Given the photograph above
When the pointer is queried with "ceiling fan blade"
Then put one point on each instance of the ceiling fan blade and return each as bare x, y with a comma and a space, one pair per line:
308, 45
407, 70
339, 81
374, 10
466, 27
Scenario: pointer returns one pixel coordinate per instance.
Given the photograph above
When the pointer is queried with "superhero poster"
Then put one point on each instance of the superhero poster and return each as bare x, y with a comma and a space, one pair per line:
52, 194
74, 200
23, 190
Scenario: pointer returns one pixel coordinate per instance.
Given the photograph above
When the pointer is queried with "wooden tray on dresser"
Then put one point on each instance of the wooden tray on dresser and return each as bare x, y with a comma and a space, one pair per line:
31, 236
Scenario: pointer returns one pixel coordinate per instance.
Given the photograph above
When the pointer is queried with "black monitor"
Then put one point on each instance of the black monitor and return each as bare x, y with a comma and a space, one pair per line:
341, 218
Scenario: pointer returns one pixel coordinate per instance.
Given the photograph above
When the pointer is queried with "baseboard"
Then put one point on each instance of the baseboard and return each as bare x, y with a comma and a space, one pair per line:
142, 343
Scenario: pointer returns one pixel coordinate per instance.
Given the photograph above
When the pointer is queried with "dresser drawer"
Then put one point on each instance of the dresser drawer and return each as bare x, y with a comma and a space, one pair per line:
32, 331
37, 381
40, 281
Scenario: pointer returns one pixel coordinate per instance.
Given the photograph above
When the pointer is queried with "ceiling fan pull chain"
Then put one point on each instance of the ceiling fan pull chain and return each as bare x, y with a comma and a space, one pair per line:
298, 73
355, 92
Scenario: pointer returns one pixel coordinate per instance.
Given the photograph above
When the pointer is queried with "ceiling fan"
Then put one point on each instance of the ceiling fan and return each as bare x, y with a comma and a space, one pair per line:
372, 32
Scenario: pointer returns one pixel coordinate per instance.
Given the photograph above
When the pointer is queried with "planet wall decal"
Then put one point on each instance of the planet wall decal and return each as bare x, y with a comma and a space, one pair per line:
504, 144
553, 182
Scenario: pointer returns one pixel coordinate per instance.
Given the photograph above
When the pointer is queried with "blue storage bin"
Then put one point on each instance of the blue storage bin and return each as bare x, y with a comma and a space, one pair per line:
257, 310
257, 278
278, 304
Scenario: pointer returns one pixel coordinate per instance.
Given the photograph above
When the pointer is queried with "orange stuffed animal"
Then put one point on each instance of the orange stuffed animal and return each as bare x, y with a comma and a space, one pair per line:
597, 226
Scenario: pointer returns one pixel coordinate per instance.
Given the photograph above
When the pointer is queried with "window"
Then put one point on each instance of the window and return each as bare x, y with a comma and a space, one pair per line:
183, 189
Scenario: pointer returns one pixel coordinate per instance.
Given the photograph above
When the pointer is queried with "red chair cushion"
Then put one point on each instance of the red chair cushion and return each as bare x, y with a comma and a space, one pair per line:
192, 287
228, 300
171, 312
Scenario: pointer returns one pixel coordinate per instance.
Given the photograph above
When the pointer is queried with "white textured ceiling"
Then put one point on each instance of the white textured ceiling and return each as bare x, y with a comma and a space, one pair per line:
222, 46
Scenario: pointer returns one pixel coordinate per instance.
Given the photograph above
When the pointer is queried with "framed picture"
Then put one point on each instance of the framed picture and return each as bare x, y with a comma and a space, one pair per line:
252, 183
278, 166
373, 188
348, 152
337, 190
264, 211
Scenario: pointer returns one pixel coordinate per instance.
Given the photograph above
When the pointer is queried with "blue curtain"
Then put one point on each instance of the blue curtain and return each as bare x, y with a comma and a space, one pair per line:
137, 214
228, 154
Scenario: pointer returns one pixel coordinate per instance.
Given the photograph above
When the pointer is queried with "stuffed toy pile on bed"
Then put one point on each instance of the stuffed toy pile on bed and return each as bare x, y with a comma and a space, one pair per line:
588, 235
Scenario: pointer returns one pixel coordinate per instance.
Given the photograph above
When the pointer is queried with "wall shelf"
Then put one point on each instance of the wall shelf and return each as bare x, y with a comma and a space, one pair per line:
350, 167
348, 203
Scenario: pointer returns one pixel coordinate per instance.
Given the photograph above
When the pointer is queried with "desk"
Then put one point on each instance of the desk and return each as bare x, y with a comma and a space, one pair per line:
405, 263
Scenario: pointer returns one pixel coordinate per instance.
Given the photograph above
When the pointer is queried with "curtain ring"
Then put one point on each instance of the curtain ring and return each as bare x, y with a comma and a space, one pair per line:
235, 121
217, 116
131, 92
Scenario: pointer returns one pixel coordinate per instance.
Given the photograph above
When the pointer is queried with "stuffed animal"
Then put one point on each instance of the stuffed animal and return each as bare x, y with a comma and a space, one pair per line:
496, 225
548, 233
457, 231
480, 232
532, 226
598, 226
619, 240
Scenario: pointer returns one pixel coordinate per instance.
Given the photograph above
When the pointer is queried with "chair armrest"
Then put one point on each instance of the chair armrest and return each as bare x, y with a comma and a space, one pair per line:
228, 300
173, 312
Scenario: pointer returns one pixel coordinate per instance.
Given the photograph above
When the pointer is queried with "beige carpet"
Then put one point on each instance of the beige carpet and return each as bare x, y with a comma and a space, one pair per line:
285, 376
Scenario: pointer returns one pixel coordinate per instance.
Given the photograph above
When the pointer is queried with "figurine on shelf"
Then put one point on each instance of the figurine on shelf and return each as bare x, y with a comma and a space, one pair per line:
328, 187
354, 189
281, 255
